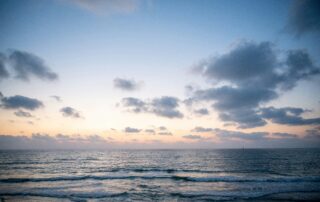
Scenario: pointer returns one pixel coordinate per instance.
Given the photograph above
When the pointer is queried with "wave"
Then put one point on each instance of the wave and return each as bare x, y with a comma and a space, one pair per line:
171, 170
145, 170
54, 194
194, 195
244, 179
223, 195
171, 177
78, 178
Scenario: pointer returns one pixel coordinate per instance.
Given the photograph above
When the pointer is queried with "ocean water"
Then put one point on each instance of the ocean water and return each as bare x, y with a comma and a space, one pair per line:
161, 175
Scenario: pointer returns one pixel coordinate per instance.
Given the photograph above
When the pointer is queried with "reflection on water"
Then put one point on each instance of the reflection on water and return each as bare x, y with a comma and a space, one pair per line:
160, 175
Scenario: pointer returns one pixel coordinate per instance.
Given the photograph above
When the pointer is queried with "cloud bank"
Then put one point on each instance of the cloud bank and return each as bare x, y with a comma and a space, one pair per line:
59, 141
227, 139
248, 76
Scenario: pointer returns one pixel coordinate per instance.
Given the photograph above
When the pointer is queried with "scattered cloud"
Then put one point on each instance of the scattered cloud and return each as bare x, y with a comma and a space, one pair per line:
27, 64
192, 137
250, 75
162, 128
150, 131
70, 112
304, 17
108, 6
132, 130
57, 98
20, 102
159, 131
164, 106
21, 113
165, 133
134, 104
200, 129
126, 84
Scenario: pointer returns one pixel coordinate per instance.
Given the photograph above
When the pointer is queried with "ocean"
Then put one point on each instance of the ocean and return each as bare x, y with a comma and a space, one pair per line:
161, 175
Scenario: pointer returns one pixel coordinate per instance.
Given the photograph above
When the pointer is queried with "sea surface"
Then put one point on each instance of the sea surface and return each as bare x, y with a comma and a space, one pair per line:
161, 175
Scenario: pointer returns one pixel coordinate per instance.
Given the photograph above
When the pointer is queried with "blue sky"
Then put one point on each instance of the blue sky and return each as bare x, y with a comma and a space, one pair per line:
154, 45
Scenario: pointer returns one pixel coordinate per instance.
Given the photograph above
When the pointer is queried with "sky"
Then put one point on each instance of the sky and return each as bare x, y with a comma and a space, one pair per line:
144, 74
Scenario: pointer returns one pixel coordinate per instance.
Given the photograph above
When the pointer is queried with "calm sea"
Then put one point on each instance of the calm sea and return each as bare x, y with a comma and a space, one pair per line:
161, 175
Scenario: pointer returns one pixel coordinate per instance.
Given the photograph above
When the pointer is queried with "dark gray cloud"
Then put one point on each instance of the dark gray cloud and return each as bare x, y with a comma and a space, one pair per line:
132, 130
70, 112
287, 116
237, 104
300, 66
18, 101
245, 118
200, 129
192, 137
244, 64
231, 98
126, 84
250, 75
164, 106
165, 133
134, 104
57, 98
227, 134
313, 133
285, 135
202, 111
3, 71
304, 17
21, 113
26, 65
